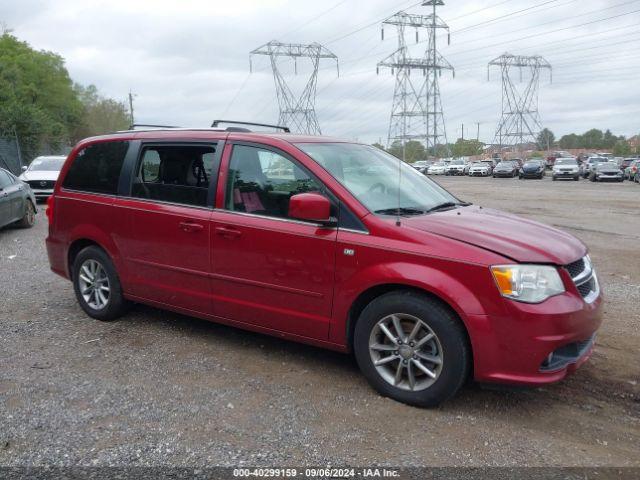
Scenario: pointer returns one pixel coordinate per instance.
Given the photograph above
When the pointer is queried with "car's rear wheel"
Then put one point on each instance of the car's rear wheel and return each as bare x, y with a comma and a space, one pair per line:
97, 285
29, 217
412, 348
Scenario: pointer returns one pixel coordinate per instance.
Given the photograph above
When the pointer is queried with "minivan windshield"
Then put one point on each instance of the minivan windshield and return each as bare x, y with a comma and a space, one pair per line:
372, 176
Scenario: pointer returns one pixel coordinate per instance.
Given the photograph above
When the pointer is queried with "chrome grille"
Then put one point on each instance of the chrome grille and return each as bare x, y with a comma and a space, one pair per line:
585, 279
575, 268
41, 184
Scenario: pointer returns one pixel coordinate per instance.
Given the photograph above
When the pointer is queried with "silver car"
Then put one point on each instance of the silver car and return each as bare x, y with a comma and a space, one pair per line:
42, 174
17, 202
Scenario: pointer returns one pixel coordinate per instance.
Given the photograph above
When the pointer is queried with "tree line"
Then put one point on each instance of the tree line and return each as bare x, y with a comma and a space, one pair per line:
43, 108
593, 139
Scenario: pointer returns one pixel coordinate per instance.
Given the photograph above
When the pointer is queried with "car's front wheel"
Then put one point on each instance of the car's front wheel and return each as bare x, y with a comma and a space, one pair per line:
97, 285
412, 348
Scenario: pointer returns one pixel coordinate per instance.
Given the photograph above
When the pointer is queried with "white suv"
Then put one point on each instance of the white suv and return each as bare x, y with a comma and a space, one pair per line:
566, 167
41, 175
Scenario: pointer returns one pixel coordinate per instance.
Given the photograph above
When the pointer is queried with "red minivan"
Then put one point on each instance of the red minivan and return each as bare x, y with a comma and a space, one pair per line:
327, 242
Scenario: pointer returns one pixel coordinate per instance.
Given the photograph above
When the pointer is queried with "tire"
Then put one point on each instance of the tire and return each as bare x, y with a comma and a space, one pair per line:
115, 305
29, 217
553, 178
576, 178
449, 344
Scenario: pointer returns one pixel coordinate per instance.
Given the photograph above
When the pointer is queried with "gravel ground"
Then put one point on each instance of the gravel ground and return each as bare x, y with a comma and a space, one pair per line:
157, 388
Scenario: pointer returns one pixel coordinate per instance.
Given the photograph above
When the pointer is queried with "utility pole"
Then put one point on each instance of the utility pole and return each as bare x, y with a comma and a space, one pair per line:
463, 132
298, 113
416, 113
131, 118
478, 132
520, 120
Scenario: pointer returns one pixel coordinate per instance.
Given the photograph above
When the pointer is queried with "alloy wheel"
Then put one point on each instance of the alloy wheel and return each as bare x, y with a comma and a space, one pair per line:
406, 352
94, 284
30, 214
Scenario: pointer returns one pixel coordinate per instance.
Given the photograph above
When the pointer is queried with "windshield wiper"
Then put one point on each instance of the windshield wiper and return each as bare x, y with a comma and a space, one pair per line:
442, 206
400, 211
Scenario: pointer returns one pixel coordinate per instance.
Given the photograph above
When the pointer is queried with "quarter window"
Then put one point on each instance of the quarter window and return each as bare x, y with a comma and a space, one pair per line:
261, 182
97, 168
175, 173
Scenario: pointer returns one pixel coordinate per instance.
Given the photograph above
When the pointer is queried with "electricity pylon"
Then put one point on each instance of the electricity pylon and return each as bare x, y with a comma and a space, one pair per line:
520, 120
298, 113
417, 112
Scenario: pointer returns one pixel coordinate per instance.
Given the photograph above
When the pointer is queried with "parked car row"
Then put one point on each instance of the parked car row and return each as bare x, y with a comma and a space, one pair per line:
601, 167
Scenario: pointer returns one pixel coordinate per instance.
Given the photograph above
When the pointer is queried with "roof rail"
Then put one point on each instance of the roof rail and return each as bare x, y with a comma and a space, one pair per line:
216, 123
145, 125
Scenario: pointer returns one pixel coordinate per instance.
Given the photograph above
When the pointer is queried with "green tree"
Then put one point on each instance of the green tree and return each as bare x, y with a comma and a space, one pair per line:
100, 115
37, 98
621, 148
594, 138
414, 150
608, 139
545, 139
466, 148
381, 147
570, 141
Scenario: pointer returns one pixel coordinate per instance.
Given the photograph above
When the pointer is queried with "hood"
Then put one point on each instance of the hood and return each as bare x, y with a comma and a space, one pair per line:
514, 237
531, 167
608, 170
479, 167
30, 175
504, 167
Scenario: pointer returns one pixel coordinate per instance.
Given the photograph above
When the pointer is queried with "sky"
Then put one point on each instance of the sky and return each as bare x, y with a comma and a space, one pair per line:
187, 62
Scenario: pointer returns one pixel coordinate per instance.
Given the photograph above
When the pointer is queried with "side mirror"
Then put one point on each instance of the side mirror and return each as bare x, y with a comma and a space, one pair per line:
24, 169
311, 207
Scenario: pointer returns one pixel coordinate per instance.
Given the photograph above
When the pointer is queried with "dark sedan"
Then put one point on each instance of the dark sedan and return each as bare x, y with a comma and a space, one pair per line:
532, 169
606, 171
17, 202
505, 169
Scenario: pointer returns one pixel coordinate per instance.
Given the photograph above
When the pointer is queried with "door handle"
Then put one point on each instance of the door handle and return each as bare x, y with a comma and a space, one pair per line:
190, 227
228, 232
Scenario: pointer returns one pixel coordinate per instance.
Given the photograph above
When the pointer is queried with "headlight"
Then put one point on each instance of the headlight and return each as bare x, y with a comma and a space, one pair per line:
527, 283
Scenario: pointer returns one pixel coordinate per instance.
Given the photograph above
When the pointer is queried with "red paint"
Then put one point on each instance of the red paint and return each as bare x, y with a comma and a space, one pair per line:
295, 280
309, 206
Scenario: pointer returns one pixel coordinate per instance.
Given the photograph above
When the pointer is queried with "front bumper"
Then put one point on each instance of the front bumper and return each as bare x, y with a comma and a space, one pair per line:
455, 172
531, 174
42, 193
612, 178
483, 173
503, 174
566, 174
536, 344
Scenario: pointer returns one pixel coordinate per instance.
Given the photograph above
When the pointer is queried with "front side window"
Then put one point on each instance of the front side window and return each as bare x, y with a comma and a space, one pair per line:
175, 174
381, 182
96, 168
261, 182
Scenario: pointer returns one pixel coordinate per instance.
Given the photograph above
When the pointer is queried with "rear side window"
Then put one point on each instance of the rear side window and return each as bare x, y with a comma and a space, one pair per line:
97, 167
175, 173
5, 179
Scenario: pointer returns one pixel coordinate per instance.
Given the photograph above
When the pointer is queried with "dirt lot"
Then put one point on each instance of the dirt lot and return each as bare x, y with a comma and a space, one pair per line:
160, 388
